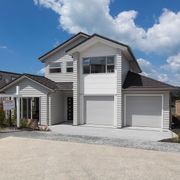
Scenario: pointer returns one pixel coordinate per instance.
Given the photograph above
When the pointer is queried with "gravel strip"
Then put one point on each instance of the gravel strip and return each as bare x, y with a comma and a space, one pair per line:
147, 145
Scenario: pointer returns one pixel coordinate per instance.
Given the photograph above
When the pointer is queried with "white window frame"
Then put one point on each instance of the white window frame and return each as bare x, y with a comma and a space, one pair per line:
69, 66
55, 67
106, 57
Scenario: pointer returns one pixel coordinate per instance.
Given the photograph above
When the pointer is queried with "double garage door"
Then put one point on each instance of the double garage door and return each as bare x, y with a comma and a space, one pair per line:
139, 110
143, 111
99, 110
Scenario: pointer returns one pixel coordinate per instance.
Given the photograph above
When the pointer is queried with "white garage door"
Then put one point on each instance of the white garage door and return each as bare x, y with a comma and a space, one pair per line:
99, 110
144, 111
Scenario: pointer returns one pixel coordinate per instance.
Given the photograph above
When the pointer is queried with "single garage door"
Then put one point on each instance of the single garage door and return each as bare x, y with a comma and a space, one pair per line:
144, 111
99, 110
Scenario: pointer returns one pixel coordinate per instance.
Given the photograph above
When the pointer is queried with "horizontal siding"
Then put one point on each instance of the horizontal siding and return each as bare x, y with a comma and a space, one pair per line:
61, 56
166, 111
63, 76
57, 108
104, 83
99, 84
29, 88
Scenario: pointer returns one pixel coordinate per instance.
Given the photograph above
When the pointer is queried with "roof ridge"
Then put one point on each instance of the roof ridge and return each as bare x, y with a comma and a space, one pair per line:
72, 37
33, 75
10, 72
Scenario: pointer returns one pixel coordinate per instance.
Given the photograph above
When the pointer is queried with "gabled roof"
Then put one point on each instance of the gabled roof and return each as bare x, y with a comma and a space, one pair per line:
62, 44
136, 81
43, 81
112, 41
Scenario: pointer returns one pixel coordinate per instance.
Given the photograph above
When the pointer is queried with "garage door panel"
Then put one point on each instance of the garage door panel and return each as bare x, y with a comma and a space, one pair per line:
99, 110
144, 111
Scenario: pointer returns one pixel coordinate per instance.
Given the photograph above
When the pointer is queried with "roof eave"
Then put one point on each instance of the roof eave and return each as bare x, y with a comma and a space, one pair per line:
149, 89
18, 79
44, 56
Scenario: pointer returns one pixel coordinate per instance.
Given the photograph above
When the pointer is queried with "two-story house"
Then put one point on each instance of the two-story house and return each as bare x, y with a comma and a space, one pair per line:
93, 80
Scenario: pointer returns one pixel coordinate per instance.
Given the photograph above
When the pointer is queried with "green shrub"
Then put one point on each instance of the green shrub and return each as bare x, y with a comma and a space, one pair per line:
2, 117
24, 123
13, 119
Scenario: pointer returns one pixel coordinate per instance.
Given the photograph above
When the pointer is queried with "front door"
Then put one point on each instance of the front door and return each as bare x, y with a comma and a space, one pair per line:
69, 108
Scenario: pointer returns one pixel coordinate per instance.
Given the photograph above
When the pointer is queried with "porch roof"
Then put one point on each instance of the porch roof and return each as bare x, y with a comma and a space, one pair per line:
47, 83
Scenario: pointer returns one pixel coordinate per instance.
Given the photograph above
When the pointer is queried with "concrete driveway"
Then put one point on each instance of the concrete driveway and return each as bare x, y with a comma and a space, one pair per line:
22, 158
106, 132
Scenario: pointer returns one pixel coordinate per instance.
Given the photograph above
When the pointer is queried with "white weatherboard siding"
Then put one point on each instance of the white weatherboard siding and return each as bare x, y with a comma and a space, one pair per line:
61, 56
118, 99
76, 90
29, 88
63, 76
100, 83
99, 110
56, 108
165, 110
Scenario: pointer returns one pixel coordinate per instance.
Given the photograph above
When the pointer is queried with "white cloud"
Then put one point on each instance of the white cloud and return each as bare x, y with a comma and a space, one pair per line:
172, 64
3, 47
94, 17
41, 71
152, 71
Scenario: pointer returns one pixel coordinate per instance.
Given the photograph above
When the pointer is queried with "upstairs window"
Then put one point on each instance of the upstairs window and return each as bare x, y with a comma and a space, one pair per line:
69, 66
55, 67
110, 64
103, 64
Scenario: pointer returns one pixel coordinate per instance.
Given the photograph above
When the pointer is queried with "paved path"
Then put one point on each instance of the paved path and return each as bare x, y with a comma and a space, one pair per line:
124, 133
36, 159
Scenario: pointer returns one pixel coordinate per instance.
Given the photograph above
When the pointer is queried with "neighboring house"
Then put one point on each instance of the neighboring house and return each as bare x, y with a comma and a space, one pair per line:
93, 80
7, 77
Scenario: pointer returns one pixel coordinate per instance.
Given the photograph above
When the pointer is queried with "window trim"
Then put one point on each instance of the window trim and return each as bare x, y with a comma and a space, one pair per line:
60, 67
68, 66
106, 64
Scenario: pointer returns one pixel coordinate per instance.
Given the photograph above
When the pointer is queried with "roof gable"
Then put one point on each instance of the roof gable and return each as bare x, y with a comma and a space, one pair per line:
96, 37
42, 81
69, 41
136, 81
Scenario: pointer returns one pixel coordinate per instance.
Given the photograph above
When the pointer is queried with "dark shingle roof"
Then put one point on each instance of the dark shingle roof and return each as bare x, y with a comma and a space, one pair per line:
136, 81
42, 80
6, 77
65, 85
45, 82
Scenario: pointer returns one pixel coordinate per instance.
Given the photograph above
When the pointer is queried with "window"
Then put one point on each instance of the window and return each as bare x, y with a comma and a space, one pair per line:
103, 64
69, 66
55, 68
98, 65
0, 77
86, 65
110, 64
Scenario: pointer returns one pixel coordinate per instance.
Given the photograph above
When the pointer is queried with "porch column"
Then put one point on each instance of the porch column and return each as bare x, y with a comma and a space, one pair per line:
18, 107
118, 97
76, 89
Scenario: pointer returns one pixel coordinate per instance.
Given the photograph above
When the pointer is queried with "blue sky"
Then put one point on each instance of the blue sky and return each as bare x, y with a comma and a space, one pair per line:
30, 28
